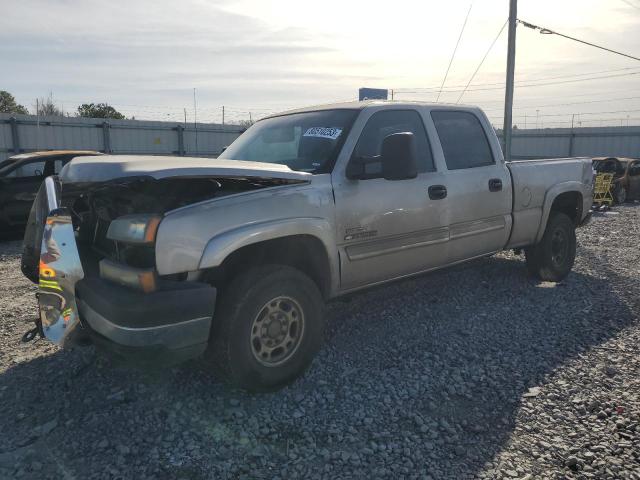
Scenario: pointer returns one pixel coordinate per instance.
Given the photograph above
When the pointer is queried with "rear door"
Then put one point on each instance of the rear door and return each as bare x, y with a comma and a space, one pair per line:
388, 228
478, 185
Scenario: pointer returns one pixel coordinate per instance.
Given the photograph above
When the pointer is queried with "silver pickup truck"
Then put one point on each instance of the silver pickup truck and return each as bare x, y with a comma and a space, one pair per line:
169, 258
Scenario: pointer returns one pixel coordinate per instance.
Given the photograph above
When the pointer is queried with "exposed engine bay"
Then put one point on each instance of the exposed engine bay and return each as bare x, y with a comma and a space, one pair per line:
94, 205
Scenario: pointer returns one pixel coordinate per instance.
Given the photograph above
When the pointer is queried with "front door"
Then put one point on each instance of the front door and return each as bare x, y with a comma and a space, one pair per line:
389, 228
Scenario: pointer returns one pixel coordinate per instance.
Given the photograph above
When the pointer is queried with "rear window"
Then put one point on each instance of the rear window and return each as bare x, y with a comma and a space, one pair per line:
463, 140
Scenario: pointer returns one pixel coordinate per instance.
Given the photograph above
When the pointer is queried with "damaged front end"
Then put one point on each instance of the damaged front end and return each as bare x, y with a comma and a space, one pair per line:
91, 247
58, 265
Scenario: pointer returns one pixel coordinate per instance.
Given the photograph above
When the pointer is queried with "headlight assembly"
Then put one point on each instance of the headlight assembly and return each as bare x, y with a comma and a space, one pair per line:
138, 229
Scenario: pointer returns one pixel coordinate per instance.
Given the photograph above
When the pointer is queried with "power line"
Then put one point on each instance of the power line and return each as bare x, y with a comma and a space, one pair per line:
482, 61
581, 122
454, 51
533, 84
582, 113
409, 89
565, 122
546, 31
523, 107
575, 95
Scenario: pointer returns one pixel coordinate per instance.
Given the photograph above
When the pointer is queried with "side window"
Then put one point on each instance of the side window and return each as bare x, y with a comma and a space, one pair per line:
58, 164
463, 140
32, 169
385, 123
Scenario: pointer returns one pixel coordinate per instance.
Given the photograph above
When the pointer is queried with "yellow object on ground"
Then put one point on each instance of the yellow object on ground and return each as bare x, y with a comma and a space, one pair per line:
602, 189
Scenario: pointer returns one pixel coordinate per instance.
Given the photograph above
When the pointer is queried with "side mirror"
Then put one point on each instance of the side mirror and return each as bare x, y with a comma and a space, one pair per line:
397, 160
398, 156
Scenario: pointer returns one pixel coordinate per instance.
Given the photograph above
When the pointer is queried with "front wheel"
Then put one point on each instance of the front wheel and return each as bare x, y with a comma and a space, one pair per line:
552, 259
268, 327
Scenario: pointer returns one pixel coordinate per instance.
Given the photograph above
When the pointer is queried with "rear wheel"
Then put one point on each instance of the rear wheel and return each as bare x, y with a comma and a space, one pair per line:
552, 259
268, 326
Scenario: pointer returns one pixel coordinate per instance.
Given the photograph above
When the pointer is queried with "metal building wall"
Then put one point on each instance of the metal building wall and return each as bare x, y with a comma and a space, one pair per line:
26, 133
23, 133
577, 142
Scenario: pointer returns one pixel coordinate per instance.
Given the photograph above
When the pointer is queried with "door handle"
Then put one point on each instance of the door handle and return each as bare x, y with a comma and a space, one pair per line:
495, 185
437, 192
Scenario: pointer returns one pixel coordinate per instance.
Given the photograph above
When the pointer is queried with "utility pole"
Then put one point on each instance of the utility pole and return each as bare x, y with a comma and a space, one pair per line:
37, 123
195, 118
511, 66
223, 115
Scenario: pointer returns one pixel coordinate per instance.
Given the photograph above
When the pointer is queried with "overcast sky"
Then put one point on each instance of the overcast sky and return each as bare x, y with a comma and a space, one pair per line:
146, 56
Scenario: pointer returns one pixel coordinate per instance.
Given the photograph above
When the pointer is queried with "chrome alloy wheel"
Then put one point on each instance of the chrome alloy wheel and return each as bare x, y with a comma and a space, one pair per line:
276, 331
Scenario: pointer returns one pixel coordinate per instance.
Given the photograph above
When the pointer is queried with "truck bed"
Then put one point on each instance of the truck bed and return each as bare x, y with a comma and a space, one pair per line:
531, 188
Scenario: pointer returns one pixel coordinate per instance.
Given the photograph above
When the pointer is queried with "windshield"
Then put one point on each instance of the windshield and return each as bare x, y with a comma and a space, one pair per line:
5, 164
307, 142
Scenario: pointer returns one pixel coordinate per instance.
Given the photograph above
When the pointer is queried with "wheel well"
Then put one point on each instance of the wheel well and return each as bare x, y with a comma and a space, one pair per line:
569, 203
303, 252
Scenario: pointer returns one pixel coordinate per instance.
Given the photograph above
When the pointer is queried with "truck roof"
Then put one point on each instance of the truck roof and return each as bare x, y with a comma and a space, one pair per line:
361, 105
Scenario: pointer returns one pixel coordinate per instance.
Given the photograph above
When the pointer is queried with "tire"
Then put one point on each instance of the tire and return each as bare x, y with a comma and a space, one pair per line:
620, 194
268, 326
552, 259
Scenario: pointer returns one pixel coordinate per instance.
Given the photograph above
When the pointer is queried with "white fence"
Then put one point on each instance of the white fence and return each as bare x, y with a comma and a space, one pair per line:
27, 133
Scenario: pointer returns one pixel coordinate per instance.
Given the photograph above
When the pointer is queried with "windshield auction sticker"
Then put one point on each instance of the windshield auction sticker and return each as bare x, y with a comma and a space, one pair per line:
323, 132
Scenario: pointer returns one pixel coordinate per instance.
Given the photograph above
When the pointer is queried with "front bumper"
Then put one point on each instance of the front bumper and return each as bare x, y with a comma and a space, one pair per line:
173, 322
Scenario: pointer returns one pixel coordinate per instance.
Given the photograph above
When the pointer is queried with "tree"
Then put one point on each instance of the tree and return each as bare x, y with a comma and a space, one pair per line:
8, 104
99, 110
47, 107
246, 123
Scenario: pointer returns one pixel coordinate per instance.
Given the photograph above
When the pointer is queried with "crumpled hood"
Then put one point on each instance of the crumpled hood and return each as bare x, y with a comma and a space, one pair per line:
108, 167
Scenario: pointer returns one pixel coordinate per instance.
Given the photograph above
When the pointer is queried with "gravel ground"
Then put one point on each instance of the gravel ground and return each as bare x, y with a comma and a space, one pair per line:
474, 372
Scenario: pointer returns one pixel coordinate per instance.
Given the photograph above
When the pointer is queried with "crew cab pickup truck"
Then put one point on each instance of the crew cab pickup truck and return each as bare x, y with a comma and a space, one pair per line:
232, 259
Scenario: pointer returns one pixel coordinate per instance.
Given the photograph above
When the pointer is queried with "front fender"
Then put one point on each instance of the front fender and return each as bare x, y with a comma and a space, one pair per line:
551, 195
222, 245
